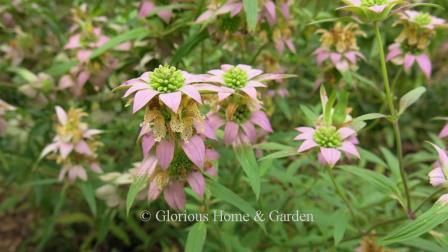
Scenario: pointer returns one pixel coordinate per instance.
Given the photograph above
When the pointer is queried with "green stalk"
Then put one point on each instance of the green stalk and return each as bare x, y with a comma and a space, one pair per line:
341, 194
395, 119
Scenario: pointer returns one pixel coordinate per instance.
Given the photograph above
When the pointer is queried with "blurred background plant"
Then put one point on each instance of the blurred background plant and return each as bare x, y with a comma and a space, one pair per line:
74, 53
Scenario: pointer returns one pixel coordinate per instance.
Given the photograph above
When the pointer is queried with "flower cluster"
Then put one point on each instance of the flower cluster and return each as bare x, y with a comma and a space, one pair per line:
174, 130
371, 10
411, 45
330, 135
238, 107
74, 146
339, 48
82, 43
148, 6
439, 174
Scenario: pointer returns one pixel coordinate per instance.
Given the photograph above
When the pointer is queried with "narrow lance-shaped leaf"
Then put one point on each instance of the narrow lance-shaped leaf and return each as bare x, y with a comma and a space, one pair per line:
196, 237
251, 9
134, 189
410, 98
246, 157
221, 192
89, 194
340, 225
424, 223
115, 41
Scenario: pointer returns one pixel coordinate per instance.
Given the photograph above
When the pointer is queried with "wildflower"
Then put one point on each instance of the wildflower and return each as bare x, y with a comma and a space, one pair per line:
171, 180
74, 145
371, 10
172, 115
411, 45
39, 87
330, 141
3, 108
148, 6
239, 124
338, 45
233, 7
238, 108
444, 132
439, 174
97, 71
167, 84
240, 78
401, 54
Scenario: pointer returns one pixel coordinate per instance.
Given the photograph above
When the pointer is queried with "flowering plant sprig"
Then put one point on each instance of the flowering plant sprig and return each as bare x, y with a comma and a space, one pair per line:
238, 106
338, 45
371, 10
74, 146
330, 134
411, 45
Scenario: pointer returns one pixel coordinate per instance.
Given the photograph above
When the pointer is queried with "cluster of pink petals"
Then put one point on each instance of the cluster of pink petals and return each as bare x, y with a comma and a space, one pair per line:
444, 132
407, 59
64, 146
410, 15
240, 134
283, 41
233, 7
174, 192
147, 6
341, 61
437, 177
194, 148
329, 156
144, 93
80, 74
375, 8
255, 78
84, 51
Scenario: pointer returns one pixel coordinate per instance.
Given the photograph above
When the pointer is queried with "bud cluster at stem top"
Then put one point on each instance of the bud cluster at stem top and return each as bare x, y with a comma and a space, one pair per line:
423, 19
369, 3
235, 78
327, 137
166, 79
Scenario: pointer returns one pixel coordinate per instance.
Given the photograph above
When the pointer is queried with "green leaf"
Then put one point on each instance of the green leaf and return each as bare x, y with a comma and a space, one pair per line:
221, 192
59, 68
370, 116
188, 46
309, 113
89, 194
24, 73
272, 146
196, 237
340, 225
134, 189
284, 107
280, 154
392, 162
424, 223
137, 33
246, 157
381, 182
251, 9
410, 98
340, 110
424, 245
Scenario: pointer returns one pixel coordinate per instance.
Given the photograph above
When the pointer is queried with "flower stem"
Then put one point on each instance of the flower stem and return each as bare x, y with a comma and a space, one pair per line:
395, 117
341, 194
